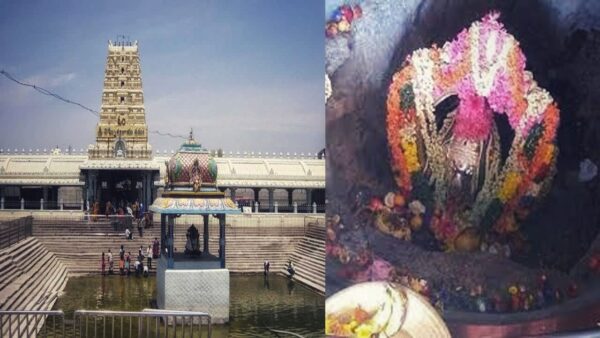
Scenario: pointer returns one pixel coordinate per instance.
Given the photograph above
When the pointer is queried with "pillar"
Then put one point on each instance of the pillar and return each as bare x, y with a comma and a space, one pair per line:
290, 196
146, 189
222, 240
205, 237
232, 193
45, 193
256, 207
295, 207
256, 191
271, 192
171, 237
91, 183
275, 207
308, 199
163, 227
2, 203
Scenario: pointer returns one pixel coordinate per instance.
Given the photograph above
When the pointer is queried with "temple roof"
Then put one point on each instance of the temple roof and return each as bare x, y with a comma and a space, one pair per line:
64, 169
191, 163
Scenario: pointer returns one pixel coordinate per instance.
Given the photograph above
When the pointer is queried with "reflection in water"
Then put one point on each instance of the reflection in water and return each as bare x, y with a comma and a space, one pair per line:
257, 303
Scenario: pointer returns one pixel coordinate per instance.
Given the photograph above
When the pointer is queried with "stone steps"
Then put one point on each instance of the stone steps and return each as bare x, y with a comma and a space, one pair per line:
309, 262
32, 279
316, 231
82, 253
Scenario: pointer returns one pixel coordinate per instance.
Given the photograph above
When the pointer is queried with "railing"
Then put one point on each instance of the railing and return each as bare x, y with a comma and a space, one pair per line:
40, 204
278, 206
146, 323
267, 224
31, 324
14, 231
118, 222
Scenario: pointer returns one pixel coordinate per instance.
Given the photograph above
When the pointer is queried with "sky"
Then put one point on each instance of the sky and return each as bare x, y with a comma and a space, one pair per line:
246, 75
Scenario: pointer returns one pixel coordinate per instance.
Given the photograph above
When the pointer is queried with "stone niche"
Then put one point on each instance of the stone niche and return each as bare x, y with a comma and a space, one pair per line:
205, 290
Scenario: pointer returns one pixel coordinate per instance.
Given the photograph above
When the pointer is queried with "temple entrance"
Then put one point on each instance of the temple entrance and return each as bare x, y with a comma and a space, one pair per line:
120, 187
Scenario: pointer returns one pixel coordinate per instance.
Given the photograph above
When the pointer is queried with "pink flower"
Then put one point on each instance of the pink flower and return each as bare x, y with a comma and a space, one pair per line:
474, 118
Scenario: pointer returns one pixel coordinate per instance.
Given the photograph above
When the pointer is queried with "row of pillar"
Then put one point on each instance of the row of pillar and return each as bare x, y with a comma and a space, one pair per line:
275, 207
271, 195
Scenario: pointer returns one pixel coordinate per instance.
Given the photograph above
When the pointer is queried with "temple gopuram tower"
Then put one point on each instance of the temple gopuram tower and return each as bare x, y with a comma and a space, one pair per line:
119, 167
122, 131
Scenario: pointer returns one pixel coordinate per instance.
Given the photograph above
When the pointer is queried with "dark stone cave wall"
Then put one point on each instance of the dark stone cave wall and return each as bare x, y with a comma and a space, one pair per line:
562, 45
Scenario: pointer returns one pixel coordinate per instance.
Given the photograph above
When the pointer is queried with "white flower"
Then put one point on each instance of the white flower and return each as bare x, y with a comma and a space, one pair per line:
416, 207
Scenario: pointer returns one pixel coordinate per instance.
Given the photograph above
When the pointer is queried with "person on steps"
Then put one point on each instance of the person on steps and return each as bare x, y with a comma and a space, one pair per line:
266, 266
128, 234
290, 269
149, 257
146, 271
122, 260
139, 226
110, 263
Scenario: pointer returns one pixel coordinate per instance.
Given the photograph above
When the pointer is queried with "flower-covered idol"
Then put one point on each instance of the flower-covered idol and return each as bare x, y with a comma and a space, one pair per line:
454, 156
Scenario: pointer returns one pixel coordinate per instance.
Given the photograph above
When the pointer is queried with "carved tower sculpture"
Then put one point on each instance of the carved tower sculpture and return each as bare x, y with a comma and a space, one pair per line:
122, 132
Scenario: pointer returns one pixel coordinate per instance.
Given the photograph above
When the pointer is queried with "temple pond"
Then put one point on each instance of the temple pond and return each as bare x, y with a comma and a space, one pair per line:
256, 303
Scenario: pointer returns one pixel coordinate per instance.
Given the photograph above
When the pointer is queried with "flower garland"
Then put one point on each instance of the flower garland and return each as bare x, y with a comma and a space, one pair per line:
341, 20
485, 68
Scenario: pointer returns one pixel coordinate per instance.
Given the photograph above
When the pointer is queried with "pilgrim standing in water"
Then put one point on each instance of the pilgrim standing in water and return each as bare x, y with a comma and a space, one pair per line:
103, 264
128, 263
110, 263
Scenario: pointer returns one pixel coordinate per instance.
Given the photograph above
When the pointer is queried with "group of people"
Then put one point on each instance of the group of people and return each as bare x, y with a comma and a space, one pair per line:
125, 260
289, 267
133, 211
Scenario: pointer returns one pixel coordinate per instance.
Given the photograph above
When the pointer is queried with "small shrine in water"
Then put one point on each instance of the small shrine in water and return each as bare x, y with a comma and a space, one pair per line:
190, 277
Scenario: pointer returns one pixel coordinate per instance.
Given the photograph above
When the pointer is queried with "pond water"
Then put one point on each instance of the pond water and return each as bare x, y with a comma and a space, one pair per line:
256, 303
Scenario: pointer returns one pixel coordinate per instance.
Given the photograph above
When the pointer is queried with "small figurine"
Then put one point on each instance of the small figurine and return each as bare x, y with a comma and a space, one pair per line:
523, 297
540, 300
514, 298
558, 295
572, 290
481, 306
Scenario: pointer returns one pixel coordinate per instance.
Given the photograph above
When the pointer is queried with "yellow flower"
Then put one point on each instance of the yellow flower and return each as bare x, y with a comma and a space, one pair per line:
509, 188
409, 148
364, 331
